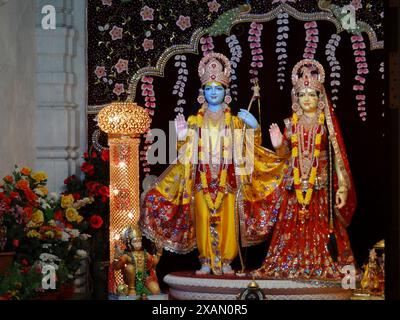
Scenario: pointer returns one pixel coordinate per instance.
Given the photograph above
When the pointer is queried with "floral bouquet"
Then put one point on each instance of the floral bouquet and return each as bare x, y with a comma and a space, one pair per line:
37, 225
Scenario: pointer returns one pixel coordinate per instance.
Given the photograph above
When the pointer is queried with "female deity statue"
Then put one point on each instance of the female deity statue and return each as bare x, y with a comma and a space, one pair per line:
204, 202
138, 267
309, 240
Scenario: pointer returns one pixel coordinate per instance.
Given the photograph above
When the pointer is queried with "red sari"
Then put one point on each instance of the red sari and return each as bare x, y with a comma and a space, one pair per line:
299, 246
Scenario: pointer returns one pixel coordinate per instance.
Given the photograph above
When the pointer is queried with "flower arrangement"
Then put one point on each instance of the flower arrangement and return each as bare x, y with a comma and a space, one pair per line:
34, 224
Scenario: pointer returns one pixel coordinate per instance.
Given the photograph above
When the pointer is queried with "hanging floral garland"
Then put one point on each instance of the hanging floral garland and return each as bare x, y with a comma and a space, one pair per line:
256, 50
330, 51
150, 104
281, 44
362, 69
180, 84
312, 39
382, 71
236, 54
207, 45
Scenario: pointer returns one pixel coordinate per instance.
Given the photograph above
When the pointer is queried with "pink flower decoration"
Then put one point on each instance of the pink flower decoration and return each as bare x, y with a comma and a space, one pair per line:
183, 22
118, 89
148, 44
356, 4
116, 33
147, 13
147, 80
213, 6
100, 72
122, 65
107, 2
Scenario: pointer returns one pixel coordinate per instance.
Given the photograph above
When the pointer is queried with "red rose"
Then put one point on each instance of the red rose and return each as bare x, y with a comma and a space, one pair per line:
76, 196
28, 213
15, 243
14, 195
88, 168
59, 216
104, 192
86, 155
30, 195
94, 155
96, 222
24, 262
92, 187
105, 155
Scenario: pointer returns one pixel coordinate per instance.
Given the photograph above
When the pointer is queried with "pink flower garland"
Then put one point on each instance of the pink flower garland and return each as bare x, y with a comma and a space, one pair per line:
330, 51
150, 104
179, 87
362, 69
207, 45
256, 50
281, 44
312, 39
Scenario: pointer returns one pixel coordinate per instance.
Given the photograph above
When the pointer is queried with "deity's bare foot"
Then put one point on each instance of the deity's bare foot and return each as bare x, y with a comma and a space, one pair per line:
227, 269
205, 269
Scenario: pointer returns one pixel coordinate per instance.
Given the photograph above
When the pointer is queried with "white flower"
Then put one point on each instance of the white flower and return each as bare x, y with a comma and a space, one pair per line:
65, 236
54, 196
81, 253
74, 233
85, 236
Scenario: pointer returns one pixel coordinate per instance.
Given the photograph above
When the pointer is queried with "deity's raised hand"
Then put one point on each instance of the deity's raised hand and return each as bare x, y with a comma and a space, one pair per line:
276, 136
181, 127
248, 118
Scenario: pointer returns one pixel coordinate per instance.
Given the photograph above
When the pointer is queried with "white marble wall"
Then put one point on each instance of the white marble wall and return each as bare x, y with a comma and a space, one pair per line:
17, 89
61, 91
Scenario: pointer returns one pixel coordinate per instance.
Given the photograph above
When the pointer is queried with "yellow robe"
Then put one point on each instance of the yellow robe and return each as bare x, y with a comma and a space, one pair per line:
175, 212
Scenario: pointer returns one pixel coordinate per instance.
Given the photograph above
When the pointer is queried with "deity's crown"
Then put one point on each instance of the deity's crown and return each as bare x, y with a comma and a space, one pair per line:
308, 73
132, 233
215, 67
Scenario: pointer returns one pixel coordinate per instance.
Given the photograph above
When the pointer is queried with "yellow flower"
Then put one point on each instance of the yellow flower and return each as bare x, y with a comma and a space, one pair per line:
295, 152
49, 234
67, 201
79, 219
318, 139
52, 223
37, 218
43, 191
33, 234
71, 214
39, 176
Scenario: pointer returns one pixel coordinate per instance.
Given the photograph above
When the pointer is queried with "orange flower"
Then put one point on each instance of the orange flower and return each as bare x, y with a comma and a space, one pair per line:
22, 184
26, 171
8, 179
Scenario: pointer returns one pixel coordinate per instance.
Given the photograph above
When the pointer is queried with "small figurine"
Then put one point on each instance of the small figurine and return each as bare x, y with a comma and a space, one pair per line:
137, 265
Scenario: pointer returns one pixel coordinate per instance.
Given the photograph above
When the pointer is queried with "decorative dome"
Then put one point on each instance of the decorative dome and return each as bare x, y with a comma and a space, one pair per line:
124, 118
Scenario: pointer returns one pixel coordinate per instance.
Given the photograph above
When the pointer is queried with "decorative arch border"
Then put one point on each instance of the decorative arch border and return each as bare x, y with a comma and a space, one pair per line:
192, 47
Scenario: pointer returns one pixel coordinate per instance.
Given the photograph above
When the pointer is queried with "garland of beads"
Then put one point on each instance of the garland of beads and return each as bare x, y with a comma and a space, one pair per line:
180, 84
312, 39
207, 45
281, 44
362, 69
254, 39
214, 206
140, 277
236, 54
150, 104
304, 201
330, 51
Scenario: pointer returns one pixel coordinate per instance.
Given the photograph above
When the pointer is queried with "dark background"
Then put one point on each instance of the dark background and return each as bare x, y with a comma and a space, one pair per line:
369, 144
